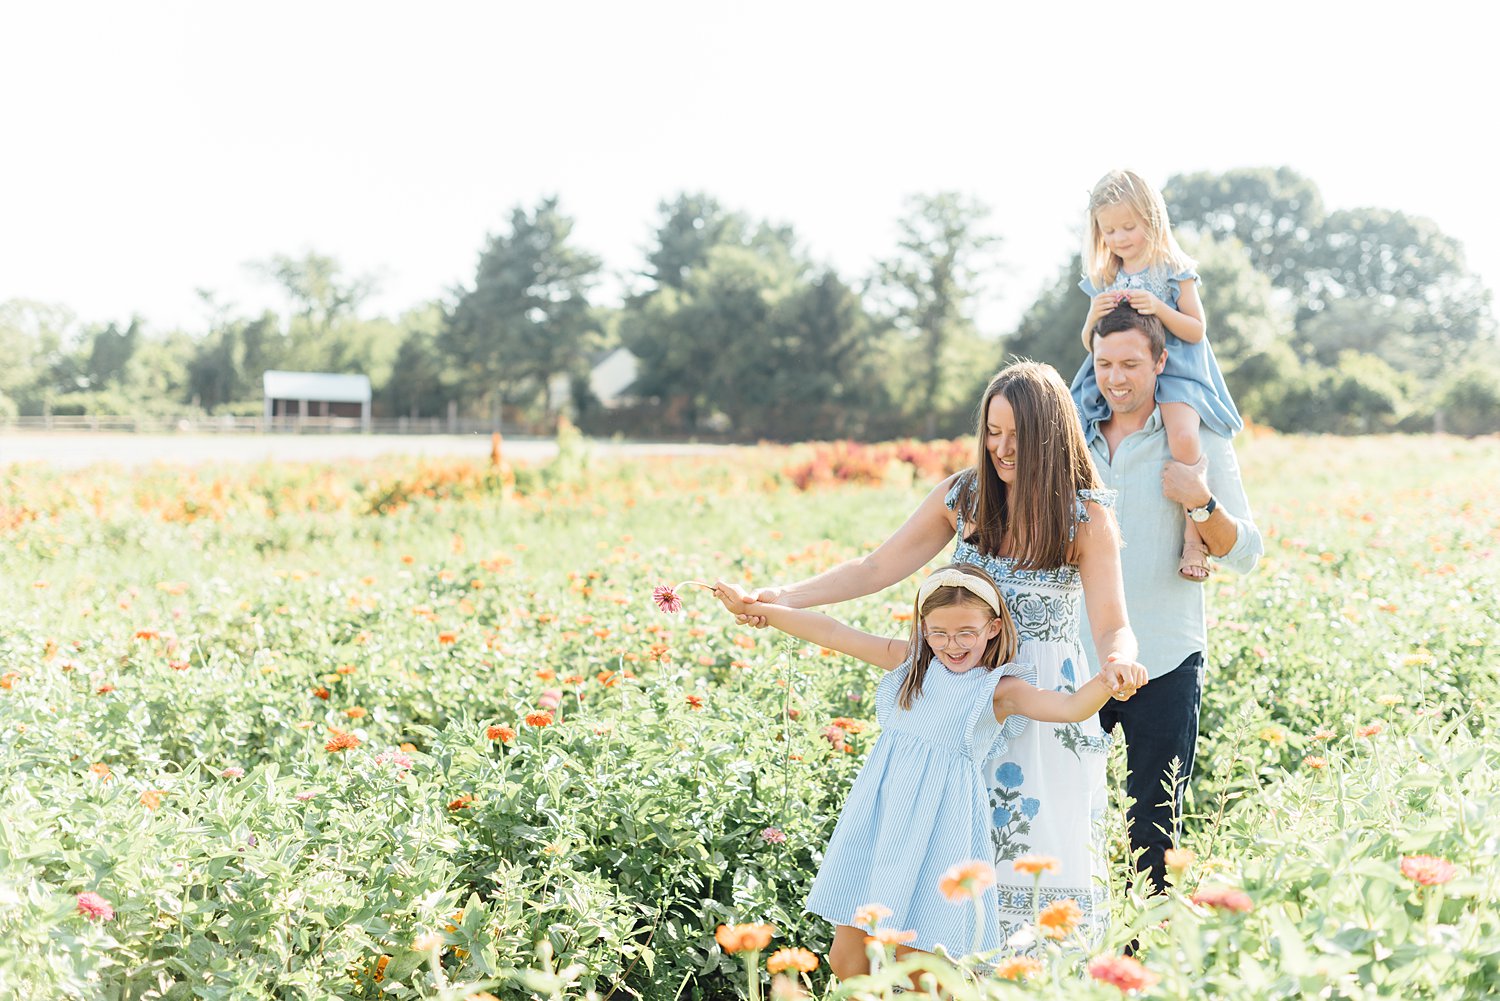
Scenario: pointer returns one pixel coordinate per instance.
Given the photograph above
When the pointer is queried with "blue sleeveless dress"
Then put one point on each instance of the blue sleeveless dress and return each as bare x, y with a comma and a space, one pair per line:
1046, 787
1191, 374
919, 807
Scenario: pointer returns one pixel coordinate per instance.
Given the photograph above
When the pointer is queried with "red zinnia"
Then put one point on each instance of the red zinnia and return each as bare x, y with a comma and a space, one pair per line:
1223, 898
1123, 972
1429, 870
95, 907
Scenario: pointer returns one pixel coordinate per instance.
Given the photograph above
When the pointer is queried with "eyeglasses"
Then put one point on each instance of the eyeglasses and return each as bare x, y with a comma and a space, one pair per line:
966, 639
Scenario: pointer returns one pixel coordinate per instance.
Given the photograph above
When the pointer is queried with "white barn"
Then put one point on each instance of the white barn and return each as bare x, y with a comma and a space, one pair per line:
321, 397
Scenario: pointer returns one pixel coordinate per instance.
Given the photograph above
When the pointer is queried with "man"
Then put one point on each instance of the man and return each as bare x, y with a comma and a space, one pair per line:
1129, 447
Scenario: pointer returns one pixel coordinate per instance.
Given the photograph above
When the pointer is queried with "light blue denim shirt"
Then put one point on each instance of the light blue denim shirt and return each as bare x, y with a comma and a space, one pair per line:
1166, 612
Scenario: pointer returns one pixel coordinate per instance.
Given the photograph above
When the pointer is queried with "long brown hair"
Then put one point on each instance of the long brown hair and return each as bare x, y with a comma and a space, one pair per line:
1039, 515
1000, 649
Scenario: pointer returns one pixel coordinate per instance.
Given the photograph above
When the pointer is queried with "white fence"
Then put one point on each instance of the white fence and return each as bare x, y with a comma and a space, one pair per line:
249, 425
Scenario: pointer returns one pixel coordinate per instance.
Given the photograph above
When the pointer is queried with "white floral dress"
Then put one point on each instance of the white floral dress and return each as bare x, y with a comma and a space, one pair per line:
1046, 791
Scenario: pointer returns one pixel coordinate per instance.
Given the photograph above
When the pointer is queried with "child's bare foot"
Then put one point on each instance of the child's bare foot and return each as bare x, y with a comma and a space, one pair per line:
1194, 565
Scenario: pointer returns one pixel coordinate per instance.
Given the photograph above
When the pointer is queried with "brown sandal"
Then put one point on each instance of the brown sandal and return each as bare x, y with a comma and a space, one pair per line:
1194, 557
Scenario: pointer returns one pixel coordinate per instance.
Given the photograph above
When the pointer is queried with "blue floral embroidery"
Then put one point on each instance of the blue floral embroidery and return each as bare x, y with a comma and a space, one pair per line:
1067, 671
1030, 806
1010, 775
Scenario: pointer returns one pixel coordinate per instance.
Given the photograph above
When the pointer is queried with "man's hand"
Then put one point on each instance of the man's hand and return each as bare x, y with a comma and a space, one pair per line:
1124, 677
1186, 485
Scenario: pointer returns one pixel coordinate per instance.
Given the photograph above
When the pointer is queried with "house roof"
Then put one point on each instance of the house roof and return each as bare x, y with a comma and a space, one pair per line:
317, 386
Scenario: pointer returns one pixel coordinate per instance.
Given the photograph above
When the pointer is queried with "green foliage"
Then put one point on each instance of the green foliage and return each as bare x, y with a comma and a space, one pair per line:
527, 317
929, 287
173, 641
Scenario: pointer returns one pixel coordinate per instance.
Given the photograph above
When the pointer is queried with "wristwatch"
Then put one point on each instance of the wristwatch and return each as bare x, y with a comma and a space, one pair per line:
1200, 514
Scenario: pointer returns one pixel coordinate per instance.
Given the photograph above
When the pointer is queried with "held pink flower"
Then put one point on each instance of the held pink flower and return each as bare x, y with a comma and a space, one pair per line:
1123, 972
95, 907
669, 600
1428, 870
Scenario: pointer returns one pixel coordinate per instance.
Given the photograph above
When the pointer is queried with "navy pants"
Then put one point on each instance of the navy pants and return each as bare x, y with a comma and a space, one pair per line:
1160, 724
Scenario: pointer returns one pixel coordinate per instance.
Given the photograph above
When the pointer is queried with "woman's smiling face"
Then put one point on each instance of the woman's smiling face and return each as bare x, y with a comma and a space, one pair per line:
1000, 438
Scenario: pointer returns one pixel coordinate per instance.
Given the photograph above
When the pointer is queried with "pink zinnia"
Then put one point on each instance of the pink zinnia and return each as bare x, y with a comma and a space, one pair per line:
232, 772
400, 759
95, 907
551, 698
1429, 870
1123, 972
773, 836
1224, 898
305, 795
666, 599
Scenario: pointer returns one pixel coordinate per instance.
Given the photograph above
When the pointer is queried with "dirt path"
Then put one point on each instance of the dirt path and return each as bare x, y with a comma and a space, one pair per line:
74, 450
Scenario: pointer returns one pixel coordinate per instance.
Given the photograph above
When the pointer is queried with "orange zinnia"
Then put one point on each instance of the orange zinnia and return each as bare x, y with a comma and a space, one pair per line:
504, 734
355, 712
100, 769
538, 719
744, 938
870, 915
340, 741
792, 959
1060, 919
1018, 968
890, 936
1035, 865
151, 798
463, 802
966, 880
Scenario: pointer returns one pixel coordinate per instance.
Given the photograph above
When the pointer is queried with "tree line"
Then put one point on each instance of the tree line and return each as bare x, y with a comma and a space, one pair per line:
1347, 321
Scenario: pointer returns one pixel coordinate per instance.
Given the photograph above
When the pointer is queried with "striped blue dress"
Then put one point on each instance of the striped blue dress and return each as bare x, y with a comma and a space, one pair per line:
919, 806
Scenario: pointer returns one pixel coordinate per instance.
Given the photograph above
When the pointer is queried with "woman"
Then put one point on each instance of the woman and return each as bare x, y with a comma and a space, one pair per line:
1032, 514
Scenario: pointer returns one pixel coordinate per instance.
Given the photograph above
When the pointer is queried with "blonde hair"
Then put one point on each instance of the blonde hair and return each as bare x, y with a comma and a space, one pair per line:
1126, 187
1000, 649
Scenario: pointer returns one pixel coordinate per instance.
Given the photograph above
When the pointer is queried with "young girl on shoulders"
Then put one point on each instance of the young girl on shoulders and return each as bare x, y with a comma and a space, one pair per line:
919, 808
1130, 255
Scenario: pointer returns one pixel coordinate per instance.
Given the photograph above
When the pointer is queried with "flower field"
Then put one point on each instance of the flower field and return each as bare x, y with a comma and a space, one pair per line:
414, 729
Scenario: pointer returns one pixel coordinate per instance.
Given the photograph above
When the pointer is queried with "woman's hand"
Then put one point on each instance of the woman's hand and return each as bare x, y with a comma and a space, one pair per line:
745, 615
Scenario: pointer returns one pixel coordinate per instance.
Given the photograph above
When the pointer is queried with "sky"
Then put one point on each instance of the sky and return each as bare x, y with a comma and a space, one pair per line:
152, 149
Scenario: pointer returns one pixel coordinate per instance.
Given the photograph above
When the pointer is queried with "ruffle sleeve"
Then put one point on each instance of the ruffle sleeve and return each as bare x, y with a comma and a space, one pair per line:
1086, 286
1102, 496
1174, 284
984, 736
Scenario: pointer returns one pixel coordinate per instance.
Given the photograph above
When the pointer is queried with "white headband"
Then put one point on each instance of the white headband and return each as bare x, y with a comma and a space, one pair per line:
953, 577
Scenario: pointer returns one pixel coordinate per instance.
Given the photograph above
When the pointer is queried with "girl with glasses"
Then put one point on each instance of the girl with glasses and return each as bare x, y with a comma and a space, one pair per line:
952, 700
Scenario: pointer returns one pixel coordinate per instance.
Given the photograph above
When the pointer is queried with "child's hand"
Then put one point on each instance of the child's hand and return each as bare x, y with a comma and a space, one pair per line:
732, 597
1145, 302
1099, 308
1124, 677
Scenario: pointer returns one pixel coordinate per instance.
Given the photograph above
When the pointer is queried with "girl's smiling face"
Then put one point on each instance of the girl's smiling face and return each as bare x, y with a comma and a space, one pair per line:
1124, 233
947, 630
